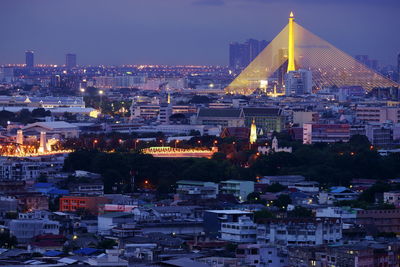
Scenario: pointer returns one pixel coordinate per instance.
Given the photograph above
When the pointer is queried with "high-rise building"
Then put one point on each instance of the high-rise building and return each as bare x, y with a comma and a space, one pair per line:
29, 59
398, 67
70, 61
298, 82
241, 54
370, 63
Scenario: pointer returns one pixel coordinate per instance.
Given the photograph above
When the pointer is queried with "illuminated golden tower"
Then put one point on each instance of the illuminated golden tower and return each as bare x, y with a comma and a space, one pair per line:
291, 66
253, 132
169, 98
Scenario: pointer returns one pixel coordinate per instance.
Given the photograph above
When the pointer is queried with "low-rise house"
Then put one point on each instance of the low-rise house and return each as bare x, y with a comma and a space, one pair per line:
285, 180
74, 203
343, 193
110, 258
43, 243
306, 186
392, 197
108, 221
187, 190
359, 254
29, 201
142, 252
346, 214
258, 255
24, 230
92, 188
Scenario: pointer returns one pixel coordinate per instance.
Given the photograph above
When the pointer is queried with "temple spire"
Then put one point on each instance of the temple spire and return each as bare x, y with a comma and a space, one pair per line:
253, 132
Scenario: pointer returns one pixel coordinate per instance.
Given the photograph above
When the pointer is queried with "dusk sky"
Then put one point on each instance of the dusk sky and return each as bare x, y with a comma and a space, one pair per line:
186, 31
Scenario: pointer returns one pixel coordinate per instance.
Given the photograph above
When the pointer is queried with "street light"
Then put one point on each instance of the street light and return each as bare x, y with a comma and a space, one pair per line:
137, 141
176, 142
101, 92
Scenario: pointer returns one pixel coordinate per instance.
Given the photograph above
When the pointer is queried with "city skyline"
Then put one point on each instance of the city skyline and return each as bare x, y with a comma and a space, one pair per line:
154, 31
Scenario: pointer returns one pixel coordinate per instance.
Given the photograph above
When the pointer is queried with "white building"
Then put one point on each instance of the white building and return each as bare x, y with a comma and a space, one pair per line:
54, 129
25, 229
298, 82
19, 169
258, 255
240, 189
346, 214
108, 221
306, 186
196, 190
243, 231
296, 231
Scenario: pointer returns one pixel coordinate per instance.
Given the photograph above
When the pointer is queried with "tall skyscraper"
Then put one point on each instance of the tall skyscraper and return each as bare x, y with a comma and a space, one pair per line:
70, 61
241, 54
370, 63
398, 67
29, 59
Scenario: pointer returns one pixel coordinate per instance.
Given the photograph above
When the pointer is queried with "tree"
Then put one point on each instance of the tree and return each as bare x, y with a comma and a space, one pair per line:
369, 194
40, 112
7, 240
300, 212
6, 116
219, 156
254, 197
275, 187
194, 133
25, 116
263, 214
69, 116
106, 244
283, 201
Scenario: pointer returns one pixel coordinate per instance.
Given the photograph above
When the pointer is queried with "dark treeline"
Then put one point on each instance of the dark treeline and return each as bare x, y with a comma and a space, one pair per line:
335, 164
24, 116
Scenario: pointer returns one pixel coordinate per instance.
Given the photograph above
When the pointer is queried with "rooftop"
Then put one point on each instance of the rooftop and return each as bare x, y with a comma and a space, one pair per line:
223, 112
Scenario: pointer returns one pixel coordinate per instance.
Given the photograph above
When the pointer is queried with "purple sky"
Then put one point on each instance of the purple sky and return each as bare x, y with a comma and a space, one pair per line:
185, 31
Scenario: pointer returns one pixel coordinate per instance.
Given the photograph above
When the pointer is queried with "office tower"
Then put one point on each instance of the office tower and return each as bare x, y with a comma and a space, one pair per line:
370, 63
70, 61
298, 82
238, 56
29, 59
398, 67
241, 54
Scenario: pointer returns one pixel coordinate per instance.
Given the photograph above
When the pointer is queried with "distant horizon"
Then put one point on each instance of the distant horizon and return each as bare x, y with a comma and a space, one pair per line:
185, 32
